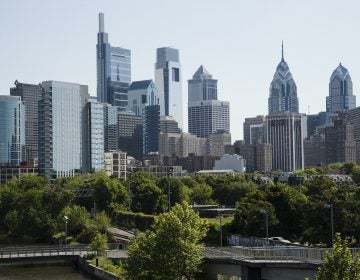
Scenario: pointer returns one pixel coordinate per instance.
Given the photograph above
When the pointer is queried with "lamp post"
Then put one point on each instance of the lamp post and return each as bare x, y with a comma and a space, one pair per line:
66, 222
171, 169
265, 212
220, 216
331, 207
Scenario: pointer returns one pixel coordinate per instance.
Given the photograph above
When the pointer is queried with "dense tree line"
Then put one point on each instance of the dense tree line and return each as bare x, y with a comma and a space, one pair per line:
34, 207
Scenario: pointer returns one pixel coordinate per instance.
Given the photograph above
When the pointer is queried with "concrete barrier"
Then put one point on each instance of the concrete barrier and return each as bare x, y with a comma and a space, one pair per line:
95, 272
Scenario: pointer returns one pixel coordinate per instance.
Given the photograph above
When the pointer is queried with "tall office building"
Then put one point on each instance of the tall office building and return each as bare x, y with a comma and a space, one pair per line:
151, 129
111, 136
130, 134
142, 94
286, 133
202, 86
313, 121
283, 91
168, 125
206, 114
30, 95
12, 130
208, 117
341, 96
60, 128
143, 101
255, 130
340, 143
217, 143
168, 82
93, 127
354, 120
113, 68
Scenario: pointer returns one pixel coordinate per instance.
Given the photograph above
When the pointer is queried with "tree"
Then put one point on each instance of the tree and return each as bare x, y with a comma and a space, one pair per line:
201, 194
340, 264
99, 244
171, 249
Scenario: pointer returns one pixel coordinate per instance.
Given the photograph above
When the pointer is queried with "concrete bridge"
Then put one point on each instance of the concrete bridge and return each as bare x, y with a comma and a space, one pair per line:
268, 263
53, 252
245, 263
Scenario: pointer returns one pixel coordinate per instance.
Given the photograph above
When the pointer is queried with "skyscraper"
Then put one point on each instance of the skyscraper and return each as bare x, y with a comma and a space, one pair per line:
60, 128
113, 65
206, 114
202, 86
283, 91
168, 82
93, 127
12, 130
341, 96
143, 101
286, 132
30, 95
208, 117
255, 130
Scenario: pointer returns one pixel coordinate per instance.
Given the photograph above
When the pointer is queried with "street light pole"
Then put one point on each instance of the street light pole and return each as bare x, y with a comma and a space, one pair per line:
266, 223
169, 191
221, 241
331, 207
66, 222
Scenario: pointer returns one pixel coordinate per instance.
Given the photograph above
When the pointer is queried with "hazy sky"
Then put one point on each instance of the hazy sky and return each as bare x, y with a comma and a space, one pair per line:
239, 43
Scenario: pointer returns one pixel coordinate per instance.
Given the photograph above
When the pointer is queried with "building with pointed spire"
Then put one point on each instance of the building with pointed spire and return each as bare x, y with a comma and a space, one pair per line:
113, 70
341, 96
283, 91
202, 86
206, 114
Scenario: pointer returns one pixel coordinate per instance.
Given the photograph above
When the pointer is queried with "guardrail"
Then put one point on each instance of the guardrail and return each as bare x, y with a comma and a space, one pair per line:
312, 255
44, 251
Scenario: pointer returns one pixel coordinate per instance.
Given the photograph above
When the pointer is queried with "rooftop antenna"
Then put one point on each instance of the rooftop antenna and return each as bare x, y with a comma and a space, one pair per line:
282, 50
101, 22
308, 109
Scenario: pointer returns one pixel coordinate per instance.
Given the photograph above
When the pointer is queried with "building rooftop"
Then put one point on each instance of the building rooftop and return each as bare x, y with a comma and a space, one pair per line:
140, 84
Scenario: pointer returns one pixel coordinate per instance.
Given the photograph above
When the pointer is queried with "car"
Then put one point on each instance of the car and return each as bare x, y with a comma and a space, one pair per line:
279, 239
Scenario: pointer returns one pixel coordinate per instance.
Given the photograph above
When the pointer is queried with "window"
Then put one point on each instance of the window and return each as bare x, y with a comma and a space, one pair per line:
175, 75
143, 99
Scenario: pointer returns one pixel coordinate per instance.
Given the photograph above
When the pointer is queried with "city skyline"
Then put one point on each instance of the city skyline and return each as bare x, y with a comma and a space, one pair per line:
250, 44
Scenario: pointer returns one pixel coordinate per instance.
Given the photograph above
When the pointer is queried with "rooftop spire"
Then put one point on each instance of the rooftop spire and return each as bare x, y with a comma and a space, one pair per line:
101, 23
282, 50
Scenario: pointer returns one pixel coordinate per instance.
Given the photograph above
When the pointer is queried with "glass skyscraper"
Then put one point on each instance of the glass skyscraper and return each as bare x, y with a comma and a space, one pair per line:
202, 86
341, 96
60, 128
168, 83
283, 91
30, 95
113, 65
12, 130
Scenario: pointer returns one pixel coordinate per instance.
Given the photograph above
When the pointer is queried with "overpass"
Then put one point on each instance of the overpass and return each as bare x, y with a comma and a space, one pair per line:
264, 263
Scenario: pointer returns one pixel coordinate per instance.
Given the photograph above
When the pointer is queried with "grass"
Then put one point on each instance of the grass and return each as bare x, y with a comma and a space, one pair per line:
224, 220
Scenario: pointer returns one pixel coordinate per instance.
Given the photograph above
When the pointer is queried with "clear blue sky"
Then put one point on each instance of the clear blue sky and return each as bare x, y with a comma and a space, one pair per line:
239, 42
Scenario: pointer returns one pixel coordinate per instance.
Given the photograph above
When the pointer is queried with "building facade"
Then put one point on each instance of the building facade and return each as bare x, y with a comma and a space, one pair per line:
140, 95
168, 82
181, 144
283, 90
115, 164
231, 162
315, 150
208, 117
286, 132
339, 142
341, 96
93, 143
217, 143
151, 129
30, 95
130, 134
255, 130
113, 65
202, 86
12, 131
60, 128
168, 125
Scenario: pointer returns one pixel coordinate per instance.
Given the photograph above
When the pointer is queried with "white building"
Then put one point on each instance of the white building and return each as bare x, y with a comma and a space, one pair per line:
234, 162
115, 164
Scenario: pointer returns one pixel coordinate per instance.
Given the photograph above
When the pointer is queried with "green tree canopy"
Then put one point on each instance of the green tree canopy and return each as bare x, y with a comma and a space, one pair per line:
340, 264
171, 249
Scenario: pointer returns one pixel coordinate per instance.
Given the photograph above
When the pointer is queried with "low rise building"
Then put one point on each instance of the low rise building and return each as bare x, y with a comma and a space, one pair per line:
234, 162
115, 164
